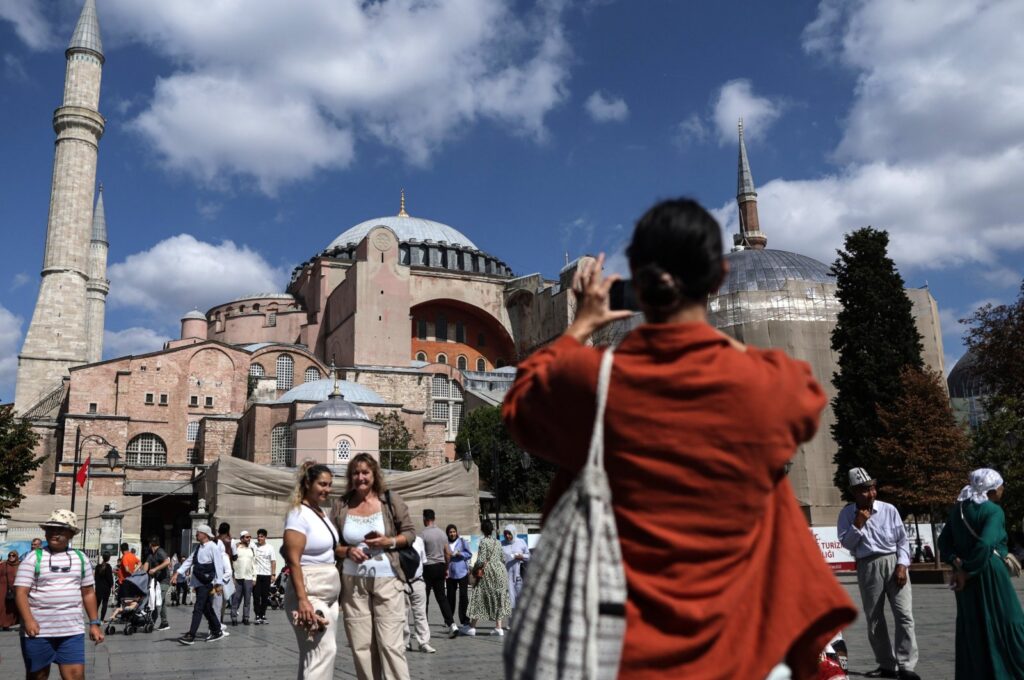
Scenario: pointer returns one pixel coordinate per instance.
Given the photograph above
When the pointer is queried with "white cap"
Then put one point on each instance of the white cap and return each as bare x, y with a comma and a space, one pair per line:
860, 477
245, 532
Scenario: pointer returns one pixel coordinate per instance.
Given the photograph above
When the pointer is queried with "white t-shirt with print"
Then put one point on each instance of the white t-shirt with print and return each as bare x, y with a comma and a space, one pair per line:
355, 530
321, 536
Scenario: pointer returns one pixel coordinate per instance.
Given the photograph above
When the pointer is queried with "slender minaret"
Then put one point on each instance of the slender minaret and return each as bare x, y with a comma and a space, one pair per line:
57, 336
750, 235
98, 286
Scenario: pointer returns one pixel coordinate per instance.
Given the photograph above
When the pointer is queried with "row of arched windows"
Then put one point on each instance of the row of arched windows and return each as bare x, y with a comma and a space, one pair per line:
461, 362
285, 372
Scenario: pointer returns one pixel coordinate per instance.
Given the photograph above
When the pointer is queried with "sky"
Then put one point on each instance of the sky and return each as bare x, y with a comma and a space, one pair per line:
243, 136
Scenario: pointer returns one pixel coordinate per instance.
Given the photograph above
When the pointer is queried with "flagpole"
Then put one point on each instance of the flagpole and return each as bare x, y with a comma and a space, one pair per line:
85, 528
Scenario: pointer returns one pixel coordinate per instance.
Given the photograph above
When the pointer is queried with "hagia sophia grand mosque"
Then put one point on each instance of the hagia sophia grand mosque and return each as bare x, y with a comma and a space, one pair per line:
415, 319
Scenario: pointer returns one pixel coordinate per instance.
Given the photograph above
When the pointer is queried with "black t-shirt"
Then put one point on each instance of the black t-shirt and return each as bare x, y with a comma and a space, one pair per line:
104, 576
154, 559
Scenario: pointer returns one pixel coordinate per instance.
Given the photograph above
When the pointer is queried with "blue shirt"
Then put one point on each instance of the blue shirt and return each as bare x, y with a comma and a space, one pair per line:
883, 534
458, 568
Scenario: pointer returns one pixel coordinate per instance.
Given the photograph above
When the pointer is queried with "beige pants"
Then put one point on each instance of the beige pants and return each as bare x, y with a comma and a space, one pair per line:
316, 654
374, 611
416, 603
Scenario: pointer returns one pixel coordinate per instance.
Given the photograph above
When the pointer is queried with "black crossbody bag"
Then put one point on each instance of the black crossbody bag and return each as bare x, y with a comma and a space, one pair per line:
408, 558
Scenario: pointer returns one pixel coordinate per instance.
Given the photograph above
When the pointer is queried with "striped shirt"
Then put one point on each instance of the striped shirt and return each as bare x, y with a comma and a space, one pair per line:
55, 598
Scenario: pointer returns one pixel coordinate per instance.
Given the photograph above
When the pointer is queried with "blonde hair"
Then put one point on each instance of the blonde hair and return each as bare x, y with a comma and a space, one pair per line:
379, 487
309, 471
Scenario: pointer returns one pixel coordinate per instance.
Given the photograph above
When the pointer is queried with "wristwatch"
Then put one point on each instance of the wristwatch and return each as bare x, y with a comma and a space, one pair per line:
95, 622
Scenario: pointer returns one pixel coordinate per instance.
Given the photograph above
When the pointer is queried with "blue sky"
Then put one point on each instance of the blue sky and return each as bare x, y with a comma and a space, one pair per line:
243, 136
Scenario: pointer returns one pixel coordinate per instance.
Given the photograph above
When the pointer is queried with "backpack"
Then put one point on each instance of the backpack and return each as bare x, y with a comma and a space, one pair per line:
39, 561
572, 612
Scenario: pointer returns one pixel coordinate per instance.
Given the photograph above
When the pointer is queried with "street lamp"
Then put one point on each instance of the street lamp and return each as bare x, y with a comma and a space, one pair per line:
467, 457
112, 457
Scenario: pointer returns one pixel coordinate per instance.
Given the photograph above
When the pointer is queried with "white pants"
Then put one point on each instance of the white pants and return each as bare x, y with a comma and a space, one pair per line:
875, 578
416, 603
317, 652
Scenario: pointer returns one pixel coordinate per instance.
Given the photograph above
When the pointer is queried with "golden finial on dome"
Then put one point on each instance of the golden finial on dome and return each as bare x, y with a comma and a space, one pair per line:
401, 211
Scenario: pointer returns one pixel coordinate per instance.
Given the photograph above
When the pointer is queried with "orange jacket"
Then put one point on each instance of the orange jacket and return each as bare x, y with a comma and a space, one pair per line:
725, 579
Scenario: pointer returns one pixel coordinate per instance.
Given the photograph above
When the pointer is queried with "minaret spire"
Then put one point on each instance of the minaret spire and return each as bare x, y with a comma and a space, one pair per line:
62, 333
401, 210
99, 219
750, 235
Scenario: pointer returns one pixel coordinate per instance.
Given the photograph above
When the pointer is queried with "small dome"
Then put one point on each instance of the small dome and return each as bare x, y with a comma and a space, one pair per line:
406, 229
963, 381
194, 314
768, 270
320, 390
336, 408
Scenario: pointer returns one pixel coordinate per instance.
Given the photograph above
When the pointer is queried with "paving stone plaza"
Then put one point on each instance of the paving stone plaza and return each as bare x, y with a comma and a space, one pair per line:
269, 652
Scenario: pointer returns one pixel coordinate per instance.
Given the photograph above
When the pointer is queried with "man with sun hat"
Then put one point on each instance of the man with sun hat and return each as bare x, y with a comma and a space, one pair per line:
52, 585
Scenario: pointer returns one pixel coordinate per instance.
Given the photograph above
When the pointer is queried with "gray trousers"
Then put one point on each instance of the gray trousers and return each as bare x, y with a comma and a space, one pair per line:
875, 578
243, 589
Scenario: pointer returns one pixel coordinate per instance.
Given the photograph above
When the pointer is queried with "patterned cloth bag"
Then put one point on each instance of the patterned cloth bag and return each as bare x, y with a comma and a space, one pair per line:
571, 616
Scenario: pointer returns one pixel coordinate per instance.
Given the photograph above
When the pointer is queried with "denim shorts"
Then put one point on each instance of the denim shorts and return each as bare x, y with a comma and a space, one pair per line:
40, 652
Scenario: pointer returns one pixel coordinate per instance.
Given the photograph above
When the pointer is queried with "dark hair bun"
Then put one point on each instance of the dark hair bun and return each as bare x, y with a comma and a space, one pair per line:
681, 239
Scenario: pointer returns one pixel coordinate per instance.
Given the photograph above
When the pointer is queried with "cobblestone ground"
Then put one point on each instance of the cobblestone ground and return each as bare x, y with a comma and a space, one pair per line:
269, 652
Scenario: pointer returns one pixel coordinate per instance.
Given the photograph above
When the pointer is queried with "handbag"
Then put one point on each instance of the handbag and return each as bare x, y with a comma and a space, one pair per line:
572, 611
408, 558
1011, 562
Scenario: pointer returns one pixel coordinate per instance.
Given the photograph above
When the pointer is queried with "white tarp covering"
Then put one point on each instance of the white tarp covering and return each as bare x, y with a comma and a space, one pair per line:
251, 496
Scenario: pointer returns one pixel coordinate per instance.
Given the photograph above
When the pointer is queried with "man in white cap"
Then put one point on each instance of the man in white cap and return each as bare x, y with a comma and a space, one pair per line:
51, 586
245, 577
207, 572
873, 532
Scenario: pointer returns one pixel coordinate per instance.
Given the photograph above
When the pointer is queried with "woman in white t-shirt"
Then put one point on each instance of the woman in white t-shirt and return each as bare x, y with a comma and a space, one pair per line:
311, 597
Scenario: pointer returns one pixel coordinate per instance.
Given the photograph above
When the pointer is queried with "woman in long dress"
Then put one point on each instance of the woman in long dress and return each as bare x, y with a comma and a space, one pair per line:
8, 570
490, 599
516, 554
989, 620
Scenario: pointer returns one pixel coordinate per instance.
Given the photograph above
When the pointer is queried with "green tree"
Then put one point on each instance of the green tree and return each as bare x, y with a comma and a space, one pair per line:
876, 339
519, 488
17, 463
397, 448
997, 443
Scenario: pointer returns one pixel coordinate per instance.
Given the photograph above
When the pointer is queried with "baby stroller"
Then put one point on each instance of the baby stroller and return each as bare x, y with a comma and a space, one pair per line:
133, 607
276, 597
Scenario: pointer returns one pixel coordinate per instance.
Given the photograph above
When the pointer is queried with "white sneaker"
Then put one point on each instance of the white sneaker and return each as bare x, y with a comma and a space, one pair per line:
467, 630
408, 646
453, 630
427, 649
498, 631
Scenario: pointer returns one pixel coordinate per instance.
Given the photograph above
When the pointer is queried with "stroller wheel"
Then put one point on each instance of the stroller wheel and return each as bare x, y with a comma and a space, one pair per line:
128, 630
111, 630
149, 628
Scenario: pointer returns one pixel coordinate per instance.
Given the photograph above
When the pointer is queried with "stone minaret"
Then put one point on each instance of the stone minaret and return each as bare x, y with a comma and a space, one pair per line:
57, 336
750, 235
97, 288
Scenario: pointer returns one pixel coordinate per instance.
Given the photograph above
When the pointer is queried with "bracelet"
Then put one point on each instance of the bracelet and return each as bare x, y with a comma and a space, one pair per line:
95, 622
394, 543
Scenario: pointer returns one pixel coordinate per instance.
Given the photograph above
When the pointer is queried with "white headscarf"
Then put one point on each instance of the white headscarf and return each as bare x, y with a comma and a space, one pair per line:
982, 481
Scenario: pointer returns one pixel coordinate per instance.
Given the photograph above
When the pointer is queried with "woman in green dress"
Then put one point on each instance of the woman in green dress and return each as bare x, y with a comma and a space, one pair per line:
989, 620
490, 599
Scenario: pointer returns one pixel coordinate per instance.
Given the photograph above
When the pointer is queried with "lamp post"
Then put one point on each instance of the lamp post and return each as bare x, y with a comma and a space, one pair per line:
79, 442
112, 458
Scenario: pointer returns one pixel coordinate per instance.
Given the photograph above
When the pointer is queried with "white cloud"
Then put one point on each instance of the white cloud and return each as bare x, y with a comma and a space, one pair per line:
132, 341
266, 92
605, 108
735, 100
10, 343
181, 273
29, 23
932, 148
20, 279
692, 130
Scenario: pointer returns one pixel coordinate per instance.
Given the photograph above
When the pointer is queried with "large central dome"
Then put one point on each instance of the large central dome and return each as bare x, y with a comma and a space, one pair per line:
768, 270
407, 229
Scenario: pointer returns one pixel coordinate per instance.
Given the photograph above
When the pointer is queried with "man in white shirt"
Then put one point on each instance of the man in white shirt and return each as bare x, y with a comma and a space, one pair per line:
245, 577
207, 571
873, 532
265, 567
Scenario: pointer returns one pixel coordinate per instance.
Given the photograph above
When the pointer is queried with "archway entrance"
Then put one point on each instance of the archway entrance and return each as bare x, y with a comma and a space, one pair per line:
166, 518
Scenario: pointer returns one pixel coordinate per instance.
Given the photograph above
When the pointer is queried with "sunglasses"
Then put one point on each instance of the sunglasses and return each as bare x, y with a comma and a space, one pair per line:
60, 569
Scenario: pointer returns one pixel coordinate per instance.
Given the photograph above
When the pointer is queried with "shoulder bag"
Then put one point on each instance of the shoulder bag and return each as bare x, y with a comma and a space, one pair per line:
1012, 564
408, 558
572, 613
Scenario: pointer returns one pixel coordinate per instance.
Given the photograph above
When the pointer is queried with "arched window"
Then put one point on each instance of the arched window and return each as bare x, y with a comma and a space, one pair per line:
343, 452
441, 328
312, 373
257, 370
421, 356
481, 365
193, 431
442, 359
256, 307
462, 363
446, 403
146, 450
285, 366
281, 447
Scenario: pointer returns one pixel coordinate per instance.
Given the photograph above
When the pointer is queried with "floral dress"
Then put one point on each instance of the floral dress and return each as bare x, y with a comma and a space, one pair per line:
490, 599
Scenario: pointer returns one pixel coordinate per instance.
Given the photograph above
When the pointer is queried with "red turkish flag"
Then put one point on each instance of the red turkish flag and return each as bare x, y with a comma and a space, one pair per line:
83, 473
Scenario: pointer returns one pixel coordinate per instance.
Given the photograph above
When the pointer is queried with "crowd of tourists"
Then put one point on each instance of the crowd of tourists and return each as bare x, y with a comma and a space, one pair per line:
671, 449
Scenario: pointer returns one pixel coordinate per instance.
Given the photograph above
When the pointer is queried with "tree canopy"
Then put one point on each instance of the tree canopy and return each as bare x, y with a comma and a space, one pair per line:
397, 448
17, 462
876, 338
518, 488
